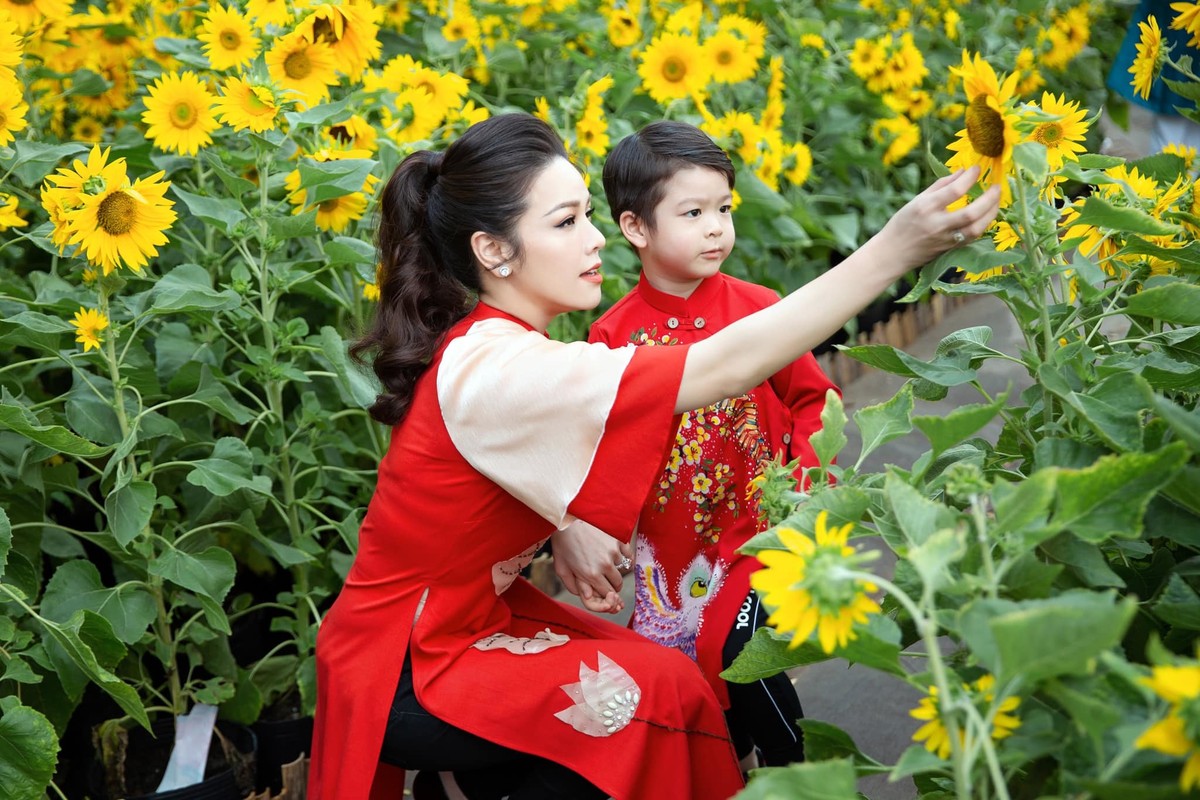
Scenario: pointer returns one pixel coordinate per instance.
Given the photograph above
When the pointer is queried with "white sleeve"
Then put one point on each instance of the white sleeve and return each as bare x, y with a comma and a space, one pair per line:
529, 412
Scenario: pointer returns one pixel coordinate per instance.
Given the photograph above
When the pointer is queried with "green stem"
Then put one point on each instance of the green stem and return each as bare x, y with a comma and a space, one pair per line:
979, 517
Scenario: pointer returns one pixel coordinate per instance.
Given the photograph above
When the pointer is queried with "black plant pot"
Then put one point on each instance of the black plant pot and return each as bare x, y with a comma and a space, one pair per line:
228, 777
280, 742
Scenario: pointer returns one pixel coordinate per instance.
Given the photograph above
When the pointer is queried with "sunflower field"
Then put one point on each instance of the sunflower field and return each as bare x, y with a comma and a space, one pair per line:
186, 208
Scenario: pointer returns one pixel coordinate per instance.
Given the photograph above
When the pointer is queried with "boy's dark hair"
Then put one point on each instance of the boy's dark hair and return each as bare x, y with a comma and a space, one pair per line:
638, 168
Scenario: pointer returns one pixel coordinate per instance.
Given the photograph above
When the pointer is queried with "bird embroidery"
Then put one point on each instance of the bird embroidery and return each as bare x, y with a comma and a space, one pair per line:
658, 615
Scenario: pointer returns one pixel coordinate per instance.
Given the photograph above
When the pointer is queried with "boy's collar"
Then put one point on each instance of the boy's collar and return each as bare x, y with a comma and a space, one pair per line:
674, 304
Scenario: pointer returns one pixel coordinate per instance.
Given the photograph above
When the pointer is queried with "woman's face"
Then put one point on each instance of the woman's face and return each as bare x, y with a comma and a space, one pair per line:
560, 268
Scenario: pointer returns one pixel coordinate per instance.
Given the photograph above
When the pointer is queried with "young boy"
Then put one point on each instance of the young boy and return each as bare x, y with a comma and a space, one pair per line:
670, 188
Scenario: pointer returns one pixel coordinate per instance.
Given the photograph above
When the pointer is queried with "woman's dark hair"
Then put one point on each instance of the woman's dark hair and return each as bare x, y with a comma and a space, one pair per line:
638, 168
430, 208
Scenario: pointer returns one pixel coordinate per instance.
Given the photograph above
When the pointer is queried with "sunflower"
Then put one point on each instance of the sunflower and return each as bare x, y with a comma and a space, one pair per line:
268, 12
1188, 19
11, 48
1186, 152
411, 117
1176, 734
354, 133
104, 38
229, 40
731, 62
752, 32
12, 110
801, 160
28, 14
991, 126
673, 66
87, 129
1063, 135
1149, 57
623, 28
905, 68
304, 67
868, 58
179, 114
950, 20
935, 735
462, 26
88, 323
446, 89
117, 97
245, 105
66, 195
1031, 77
123, 224
9, 218
899, 133
806, 586
351, 31
335, 213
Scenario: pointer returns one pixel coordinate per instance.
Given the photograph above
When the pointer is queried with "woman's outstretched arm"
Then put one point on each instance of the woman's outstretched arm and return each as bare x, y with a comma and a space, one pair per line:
749, 351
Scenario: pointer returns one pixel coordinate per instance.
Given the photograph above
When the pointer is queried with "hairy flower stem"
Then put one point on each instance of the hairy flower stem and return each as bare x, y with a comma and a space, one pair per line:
1037, 289
979, 518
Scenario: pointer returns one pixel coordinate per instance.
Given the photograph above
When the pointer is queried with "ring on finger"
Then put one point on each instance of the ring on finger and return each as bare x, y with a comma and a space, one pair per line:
958, 236
624, 563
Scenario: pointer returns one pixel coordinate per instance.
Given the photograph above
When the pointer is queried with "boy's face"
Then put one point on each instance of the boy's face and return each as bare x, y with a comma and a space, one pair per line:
693, 232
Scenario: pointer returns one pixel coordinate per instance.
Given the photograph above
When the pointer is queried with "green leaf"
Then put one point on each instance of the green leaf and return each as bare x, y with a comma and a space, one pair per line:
1084, 559
229, 469
236, 185
56, 437
28, 751
830, 440
1101, 214
209, 573
1110, 497
188, 287
880, 424
914, 514
354, 385
824, 742
819, 780
129, 509
880, 356
1113, 408
5, 540
1092, 712
1021, 509
325, 180
1040, 639
1187, 256
33, 160
915, 760
347, 250
317, 115
92, 414
222, 212
1176, 302
293, 226
946, 431
933, 557
768, 654
846, 504
128, 607
1179, 605
213, 394
42, 323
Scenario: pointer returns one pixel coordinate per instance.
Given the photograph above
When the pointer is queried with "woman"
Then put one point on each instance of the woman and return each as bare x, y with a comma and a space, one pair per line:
501, 437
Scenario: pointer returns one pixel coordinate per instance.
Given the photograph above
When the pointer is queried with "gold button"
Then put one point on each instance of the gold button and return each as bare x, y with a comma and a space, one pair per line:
699, 323
672, 323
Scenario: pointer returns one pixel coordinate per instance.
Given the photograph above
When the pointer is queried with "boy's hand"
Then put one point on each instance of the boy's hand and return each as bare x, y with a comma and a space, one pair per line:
588, 562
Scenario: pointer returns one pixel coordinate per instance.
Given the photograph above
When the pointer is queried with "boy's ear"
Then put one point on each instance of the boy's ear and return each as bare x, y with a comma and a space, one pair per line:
489, 251
634, 228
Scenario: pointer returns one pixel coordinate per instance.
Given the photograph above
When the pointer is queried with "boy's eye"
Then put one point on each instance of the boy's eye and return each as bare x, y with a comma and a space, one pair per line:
695, 212
727, 209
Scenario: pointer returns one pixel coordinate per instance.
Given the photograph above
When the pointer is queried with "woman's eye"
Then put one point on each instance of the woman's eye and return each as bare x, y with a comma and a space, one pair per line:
695, 212
566, 223
726, 209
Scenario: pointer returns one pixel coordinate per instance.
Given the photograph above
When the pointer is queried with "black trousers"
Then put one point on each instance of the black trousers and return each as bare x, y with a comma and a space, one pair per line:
762, 714
417, 740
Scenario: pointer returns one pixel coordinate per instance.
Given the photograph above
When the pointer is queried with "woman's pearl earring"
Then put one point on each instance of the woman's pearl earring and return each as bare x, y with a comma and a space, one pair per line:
503, 271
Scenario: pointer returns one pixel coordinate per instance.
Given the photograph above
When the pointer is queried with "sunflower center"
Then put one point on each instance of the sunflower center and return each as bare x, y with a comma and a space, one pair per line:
297, 65
230, 39
341, 133
183, 115
323, 31
985, 127
22, 2
1049, 134
328, 205
724, 57
674, 69
117, 213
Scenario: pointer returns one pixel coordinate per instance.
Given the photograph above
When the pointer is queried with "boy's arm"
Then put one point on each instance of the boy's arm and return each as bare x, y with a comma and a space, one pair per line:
802, 386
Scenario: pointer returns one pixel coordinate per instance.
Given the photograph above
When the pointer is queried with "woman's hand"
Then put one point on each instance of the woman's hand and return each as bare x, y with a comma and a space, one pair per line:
589, 562
923, 229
